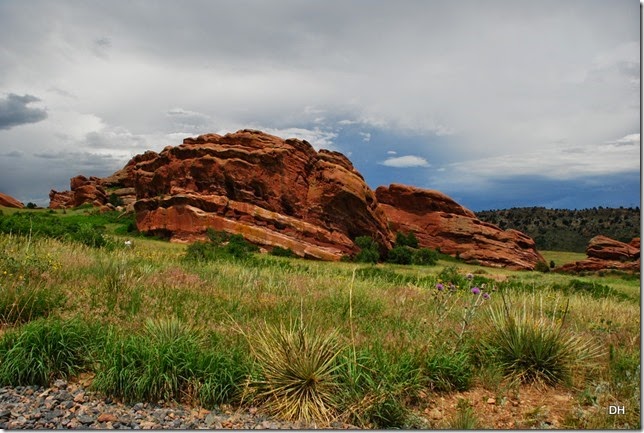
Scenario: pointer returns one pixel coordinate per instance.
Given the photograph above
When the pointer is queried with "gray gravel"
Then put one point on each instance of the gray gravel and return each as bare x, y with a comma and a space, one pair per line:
71, 406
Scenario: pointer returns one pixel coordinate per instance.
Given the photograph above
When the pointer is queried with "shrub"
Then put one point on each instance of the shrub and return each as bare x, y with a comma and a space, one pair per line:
46, 349
424, 257
221, 246
542, 267
400, 255
31, 205
408, 240
282, 252
298, 367
368, 250
115, 200
531, 347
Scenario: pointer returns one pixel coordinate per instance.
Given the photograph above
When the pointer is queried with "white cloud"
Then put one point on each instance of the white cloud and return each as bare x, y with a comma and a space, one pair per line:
391, 152
630, 139
405, 162
366, 136
551, 162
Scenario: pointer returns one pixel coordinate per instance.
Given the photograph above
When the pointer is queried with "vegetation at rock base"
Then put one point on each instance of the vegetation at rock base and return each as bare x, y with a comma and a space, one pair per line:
565, 229
388, 345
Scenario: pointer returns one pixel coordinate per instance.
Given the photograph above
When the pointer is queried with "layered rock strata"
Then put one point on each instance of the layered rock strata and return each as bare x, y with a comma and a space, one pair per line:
8, 201
604, 254
274, 192
440, 223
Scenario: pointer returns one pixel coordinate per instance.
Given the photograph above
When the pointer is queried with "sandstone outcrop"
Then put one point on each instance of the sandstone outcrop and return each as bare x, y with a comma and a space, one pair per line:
278, 192
8, 201
605, 253
274, 192
441, 223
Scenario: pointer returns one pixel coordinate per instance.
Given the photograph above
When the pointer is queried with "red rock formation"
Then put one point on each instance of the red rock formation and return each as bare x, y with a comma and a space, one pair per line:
605, 248
8, 201
605, 253
440, 222
275, 192
283, 193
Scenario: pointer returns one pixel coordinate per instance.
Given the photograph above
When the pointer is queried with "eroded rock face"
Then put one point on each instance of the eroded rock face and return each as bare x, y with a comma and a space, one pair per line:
605, 253
8, 201
605, 248
283, 193
440, 222
275, 192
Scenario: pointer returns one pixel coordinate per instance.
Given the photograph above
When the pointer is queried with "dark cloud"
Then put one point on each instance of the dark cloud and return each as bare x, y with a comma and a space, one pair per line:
616, 190
14, 111
13, 154
52, 170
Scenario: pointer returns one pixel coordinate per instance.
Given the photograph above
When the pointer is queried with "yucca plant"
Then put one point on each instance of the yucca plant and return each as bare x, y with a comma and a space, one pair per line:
298, 367
534, 348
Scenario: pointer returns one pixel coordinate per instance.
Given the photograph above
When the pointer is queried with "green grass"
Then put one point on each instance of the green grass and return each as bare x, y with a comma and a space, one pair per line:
170, 360
173, 329
46, 349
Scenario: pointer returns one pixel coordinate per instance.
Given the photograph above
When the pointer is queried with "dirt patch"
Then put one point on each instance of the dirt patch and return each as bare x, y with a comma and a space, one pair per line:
522, 408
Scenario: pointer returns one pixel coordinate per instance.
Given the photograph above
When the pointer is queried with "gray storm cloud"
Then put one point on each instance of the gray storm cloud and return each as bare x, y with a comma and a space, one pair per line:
15, 110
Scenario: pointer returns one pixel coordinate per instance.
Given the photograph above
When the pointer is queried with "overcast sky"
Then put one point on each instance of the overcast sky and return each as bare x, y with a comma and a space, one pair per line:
496, 103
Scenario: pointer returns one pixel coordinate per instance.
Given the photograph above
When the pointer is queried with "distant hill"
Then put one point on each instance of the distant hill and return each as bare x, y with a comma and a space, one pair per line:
565, 229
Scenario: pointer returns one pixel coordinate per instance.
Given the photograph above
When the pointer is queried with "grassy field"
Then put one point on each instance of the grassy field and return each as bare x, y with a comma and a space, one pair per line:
380, 346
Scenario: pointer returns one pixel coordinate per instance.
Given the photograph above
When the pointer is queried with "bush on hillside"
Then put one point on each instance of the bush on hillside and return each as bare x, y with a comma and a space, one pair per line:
400, 255
368, 250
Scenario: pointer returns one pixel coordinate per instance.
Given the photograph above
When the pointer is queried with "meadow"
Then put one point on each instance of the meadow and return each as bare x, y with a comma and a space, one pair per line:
451, 345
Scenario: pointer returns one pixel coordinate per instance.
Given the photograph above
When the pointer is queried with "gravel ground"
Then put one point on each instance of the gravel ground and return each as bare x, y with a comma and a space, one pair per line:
69, 405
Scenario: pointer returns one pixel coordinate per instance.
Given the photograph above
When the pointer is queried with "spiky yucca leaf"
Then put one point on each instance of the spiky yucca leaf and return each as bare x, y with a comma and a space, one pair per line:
532, 347
298, 367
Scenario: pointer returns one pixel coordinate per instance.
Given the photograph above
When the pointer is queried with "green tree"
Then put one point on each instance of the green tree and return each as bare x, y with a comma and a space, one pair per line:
368, 250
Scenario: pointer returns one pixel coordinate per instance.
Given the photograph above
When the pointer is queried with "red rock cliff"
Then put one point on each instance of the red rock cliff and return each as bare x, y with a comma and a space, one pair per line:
8, 201
440, 222
275, 192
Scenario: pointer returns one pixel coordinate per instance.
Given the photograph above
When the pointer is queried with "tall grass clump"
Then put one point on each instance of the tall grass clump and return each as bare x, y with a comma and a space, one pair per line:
464, 418
169, 360
448, 370
532, 347
46, 349
377, 382
20, 303
298, 372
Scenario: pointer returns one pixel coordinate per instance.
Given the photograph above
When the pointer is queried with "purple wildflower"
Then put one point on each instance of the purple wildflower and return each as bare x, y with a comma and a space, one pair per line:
486, 296
439, 286
476, 290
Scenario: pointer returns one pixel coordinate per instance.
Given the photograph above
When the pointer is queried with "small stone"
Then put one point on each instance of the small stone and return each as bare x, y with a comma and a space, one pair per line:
107, 417
60, 384
491, 400
148, 425
435, 414
84, 419
80, 397
213, 421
